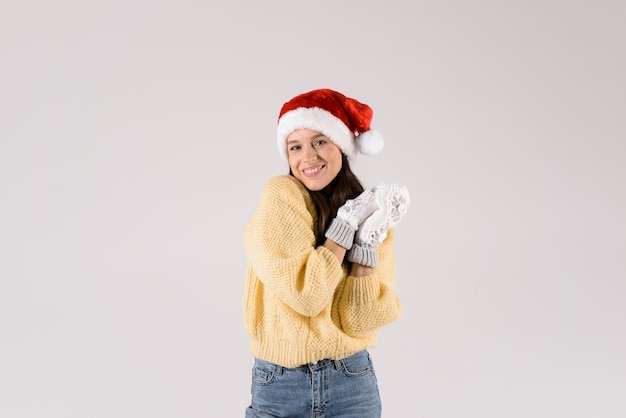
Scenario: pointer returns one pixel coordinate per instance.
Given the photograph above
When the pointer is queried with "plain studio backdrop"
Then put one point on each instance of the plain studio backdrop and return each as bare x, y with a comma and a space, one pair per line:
135, 137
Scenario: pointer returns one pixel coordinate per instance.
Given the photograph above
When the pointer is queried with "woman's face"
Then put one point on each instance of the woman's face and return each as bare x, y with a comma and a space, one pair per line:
313, 158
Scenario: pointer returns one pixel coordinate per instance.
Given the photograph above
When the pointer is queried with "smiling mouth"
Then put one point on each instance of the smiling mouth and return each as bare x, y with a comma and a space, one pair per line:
312, 171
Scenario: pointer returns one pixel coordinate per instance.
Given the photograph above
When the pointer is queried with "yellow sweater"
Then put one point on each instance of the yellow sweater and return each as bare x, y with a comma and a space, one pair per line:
300, 305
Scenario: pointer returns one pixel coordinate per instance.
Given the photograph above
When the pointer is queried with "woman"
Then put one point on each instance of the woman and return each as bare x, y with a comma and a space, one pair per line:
321, 266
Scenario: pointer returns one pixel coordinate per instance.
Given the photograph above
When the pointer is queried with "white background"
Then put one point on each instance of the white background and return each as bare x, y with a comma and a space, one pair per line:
135, 137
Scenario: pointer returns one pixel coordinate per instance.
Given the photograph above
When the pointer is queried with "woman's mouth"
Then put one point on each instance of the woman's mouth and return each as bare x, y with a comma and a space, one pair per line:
312, 171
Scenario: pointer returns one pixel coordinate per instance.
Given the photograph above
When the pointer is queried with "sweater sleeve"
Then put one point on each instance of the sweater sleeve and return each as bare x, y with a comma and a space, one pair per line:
280, 246
370, 302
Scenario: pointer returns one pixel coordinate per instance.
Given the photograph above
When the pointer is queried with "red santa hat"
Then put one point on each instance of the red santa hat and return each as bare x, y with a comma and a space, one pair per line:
343, 120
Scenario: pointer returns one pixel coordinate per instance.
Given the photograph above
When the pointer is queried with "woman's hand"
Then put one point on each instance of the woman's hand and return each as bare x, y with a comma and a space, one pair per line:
350, 216
393, 203
355, 211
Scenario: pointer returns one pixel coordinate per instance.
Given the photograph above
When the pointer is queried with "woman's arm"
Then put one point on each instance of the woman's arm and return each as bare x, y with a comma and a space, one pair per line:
368, 300
336, 249
359, 270
281, 251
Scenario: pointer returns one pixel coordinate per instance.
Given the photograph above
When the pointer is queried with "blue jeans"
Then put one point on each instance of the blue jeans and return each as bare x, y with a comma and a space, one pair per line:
345, 388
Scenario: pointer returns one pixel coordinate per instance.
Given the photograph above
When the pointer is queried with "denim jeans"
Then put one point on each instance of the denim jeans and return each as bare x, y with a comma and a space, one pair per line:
345, 388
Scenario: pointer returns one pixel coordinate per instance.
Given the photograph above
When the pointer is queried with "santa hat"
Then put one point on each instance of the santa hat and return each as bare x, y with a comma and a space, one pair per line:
343, 120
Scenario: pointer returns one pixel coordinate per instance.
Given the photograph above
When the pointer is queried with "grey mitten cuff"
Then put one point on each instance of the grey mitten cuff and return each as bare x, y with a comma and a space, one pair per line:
341, 232
363, 254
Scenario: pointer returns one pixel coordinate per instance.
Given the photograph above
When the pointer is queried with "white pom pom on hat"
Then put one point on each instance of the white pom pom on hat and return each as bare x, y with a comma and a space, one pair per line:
370, 142
344, 120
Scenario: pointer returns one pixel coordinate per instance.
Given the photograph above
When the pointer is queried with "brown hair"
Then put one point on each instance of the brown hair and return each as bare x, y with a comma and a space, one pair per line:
344, 186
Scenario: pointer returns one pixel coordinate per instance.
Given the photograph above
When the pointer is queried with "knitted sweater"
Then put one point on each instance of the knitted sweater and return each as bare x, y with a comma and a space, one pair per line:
300, 304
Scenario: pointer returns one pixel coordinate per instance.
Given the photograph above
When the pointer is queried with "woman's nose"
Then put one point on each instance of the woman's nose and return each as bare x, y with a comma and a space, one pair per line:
310, 154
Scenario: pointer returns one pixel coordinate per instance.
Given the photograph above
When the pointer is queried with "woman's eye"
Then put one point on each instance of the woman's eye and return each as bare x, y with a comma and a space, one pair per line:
294, 148
320, 142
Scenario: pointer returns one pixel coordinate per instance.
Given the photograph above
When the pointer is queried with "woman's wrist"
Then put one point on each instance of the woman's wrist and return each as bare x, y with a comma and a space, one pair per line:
359, 270
336, 249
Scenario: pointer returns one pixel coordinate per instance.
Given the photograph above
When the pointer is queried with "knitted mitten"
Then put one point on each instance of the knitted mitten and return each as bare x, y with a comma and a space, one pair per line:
349, 217
393, 203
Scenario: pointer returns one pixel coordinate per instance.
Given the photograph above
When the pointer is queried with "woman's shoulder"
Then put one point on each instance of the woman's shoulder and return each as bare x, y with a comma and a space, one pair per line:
284, 185
285, 191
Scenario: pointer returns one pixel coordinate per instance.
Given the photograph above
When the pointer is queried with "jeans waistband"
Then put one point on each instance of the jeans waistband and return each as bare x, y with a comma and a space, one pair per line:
317, 365
321, 364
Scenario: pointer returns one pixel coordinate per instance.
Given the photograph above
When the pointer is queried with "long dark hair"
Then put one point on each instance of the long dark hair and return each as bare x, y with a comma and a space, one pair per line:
344, 186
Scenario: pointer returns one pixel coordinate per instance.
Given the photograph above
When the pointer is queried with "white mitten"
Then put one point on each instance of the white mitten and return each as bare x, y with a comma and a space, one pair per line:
355, 211
393, 203
349, 216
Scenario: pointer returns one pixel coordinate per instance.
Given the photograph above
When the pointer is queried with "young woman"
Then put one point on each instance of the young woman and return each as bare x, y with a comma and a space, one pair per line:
321, 266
